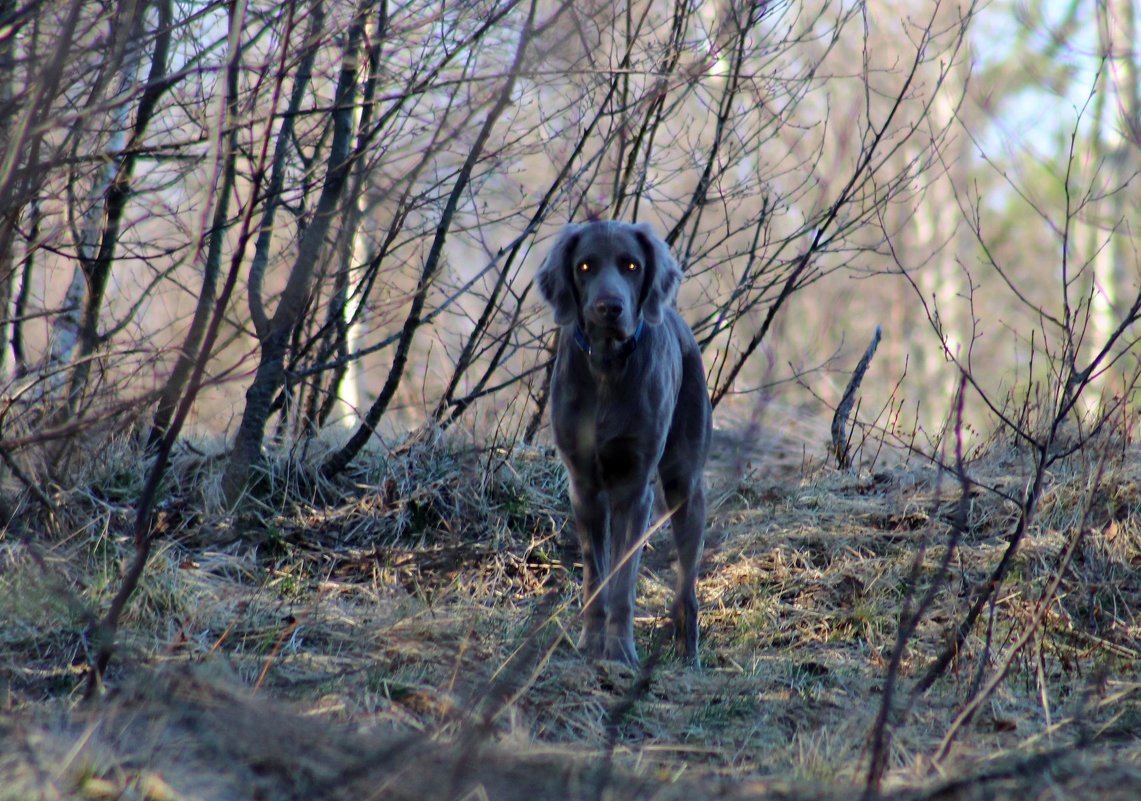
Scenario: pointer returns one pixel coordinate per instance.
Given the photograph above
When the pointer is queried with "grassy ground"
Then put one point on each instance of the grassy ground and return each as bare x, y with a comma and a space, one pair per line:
411, 636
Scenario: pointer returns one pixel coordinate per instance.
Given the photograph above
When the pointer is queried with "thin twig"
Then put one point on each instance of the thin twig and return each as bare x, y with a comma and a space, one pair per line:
910, 620
1037, 619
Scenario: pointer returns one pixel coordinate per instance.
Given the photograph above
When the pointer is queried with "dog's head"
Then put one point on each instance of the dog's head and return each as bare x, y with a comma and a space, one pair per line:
608, 276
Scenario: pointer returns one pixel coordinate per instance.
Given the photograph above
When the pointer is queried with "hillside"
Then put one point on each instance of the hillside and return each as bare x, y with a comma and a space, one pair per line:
411, 636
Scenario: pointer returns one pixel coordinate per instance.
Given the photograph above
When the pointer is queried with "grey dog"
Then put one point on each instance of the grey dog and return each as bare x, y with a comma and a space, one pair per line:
628, 400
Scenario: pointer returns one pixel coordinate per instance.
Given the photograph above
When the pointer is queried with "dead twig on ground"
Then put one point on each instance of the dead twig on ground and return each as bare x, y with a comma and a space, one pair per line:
840, 418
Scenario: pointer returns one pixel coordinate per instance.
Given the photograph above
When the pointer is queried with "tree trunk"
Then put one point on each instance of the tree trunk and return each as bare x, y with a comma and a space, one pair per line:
270, 375
1117, 156
105, 217
340, 459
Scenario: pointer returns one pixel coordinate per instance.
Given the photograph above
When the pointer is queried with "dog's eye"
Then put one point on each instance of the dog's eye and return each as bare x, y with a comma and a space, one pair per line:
584, 267
632, 266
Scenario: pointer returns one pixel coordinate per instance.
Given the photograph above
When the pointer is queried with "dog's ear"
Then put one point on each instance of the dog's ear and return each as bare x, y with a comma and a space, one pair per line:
663, 276
556, 279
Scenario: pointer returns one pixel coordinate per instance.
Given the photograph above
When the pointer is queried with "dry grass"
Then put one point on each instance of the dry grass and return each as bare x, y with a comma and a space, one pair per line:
410, 635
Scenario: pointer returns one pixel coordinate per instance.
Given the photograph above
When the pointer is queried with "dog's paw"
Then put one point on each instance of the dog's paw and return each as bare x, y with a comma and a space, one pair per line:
621, 649
591, 644
685, 631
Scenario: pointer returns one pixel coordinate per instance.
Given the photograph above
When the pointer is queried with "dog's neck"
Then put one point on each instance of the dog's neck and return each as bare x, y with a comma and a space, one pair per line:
606, 357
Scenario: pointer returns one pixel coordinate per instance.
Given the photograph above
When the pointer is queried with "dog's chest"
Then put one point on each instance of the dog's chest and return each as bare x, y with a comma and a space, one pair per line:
615, 428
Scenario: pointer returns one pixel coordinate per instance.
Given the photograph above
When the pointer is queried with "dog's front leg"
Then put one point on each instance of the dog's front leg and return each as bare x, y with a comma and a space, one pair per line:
592, 519
630, 511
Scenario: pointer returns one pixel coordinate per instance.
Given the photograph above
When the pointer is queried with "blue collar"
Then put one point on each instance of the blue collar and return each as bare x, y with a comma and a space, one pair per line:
624, 350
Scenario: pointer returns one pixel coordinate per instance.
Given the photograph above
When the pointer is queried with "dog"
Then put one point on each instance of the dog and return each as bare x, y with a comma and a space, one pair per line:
628, 402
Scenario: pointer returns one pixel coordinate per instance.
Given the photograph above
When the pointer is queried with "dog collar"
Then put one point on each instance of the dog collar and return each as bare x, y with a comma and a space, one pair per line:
624, 350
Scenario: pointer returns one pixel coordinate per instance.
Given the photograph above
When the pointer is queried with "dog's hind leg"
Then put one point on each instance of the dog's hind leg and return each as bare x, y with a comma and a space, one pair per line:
687, 500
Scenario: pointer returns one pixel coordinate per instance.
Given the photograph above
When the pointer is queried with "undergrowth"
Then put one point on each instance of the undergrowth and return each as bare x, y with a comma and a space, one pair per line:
432, 594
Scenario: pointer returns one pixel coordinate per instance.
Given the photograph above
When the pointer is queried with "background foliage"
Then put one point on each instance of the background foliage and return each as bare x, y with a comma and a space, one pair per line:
284, 216
273, 375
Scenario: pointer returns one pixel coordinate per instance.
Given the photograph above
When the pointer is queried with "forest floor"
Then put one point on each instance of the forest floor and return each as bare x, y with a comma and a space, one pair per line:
411, 635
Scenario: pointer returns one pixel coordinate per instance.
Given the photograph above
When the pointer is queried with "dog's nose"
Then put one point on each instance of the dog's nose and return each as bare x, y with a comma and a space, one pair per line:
608, 308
